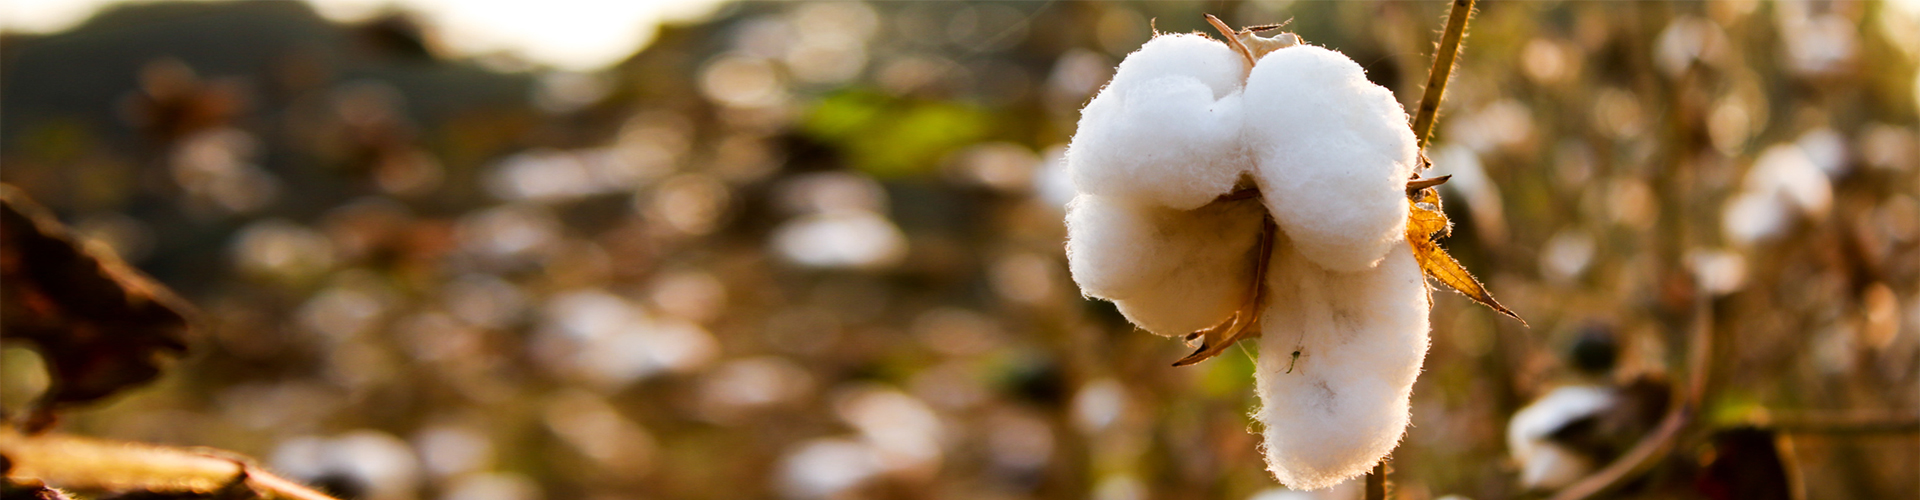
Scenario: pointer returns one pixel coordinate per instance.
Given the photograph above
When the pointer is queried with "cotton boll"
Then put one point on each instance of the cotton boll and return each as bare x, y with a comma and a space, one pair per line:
1789, 170
1361, 338
1782, 181
1334, 153
1546, 465
1166, 129
1752, 217
1169, 271
1552, 467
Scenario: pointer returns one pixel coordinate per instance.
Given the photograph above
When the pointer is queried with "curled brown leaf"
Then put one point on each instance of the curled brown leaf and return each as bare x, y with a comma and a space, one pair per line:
100, 324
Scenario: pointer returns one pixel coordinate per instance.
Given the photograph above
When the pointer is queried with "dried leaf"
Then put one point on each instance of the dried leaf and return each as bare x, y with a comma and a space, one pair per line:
1426, 225
100, 324
98, 468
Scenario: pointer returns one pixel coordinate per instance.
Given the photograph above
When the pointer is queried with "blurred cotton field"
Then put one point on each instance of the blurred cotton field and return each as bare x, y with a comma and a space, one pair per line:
815, 249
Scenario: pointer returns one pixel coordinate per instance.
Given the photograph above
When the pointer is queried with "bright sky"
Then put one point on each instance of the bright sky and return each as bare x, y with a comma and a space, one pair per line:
580, 35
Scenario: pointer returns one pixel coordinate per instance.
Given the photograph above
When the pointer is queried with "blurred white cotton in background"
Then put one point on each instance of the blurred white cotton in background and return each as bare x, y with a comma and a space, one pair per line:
492, 486
1826, 148
508, 232
1471, 183
1718, 272
823, 468
1783, 181
450, 450
610, 342
598, 430
280, 249
1544, 464
371, 464
840, 240
1688, 40
1053, 184
822, 192
754, 382
1098, 405
1566, 255
903, 432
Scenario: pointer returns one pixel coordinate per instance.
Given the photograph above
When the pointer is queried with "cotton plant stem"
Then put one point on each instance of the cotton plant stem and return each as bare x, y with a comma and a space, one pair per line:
1377, 481
1442, 70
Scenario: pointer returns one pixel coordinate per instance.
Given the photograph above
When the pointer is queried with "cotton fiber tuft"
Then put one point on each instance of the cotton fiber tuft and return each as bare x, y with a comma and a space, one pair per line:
1342, 405
1165, 130
1334, 154
1169, 271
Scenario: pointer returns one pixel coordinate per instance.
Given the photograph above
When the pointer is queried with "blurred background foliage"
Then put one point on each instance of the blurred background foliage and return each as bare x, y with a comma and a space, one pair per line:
813, 250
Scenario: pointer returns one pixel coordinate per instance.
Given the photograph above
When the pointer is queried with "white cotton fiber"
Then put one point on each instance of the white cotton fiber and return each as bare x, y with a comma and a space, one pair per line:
1361, 337
1334, 153
1783, 181
1166, 129
1169, 271
1545, 465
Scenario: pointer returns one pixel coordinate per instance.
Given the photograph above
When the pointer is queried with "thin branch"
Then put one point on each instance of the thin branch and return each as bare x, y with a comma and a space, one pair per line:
96, 465
1655, 446
1442, 70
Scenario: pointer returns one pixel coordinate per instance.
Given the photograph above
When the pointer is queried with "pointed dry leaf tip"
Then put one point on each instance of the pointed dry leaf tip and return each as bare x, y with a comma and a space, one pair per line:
1426, 225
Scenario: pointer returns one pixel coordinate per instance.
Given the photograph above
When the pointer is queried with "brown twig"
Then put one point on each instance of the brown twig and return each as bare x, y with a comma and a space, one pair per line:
1442, 70
1657, 444
1377, 481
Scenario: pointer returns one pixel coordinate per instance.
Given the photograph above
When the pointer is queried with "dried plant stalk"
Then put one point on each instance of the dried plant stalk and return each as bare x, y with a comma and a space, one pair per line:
91, 465
1442, 70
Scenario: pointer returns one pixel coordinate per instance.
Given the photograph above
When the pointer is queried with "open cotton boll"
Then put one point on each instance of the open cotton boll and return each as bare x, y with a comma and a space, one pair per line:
1361, 338
1545, 465
1788, 170
1334, 154
1169, 271
1166, 129
1551, 467
1783, 181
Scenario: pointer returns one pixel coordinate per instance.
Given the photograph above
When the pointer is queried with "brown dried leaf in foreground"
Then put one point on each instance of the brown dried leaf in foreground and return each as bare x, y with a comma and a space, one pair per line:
1426, 225
97, 468
100, 324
